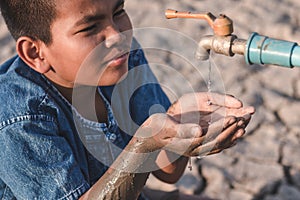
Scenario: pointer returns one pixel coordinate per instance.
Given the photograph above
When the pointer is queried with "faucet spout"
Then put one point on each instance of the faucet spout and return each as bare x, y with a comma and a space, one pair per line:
257, 49
226, 45
204, 47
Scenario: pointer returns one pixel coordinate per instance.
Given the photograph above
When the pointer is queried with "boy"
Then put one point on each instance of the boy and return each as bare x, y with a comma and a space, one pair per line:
65, 132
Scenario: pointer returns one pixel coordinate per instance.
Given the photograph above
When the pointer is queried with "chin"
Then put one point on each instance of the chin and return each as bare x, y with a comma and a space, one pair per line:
109, 79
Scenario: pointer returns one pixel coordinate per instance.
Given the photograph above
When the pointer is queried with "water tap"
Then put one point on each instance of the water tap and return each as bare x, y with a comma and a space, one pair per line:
257, 49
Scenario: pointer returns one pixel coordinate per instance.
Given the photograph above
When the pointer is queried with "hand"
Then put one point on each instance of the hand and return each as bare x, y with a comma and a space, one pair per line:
206, 108
197, 124
222, 118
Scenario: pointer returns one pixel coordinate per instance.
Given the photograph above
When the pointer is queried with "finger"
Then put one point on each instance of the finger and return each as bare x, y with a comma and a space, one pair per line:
213, 147
250, 110
204, 145
228, 132
187, 103
241, 111
233, 140
224, 100
203, 149
230, 143
183, 146
214, 151
217, 150
189, 117
239, 133
244, 121
247, 120
188, 131
158, 122
230, 135
217, 127
178, 145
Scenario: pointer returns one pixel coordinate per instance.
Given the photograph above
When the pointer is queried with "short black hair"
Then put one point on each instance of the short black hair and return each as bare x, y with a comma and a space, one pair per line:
32, 18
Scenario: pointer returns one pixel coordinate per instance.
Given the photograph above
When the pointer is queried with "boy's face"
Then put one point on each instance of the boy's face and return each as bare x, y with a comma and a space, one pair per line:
80, 27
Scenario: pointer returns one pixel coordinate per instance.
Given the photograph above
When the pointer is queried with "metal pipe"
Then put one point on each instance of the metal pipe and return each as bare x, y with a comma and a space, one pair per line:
239, 46
226, 45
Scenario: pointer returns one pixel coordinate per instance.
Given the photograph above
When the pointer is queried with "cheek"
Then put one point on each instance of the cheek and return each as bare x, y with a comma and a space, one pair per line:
66, 60
125, 24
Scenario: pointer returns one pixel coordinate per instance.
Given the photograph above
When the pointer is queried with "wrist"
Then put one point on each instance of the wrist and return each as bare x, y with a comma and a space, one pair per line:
136, 158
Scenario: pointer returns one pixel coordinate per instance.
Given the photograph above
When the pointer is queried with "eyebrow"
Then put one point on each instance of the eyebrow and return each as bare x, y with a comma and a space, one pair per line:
119, 3
90, 18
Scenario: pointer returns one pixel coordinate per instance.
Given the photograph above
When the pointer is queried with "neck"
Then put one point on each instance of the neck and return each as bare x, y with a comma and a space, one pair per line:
66, 92
87, 101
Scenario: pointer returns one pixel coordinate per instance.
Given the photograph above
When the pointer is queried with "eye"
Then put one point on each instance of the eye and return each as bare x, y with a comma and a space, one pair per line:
119, 13
88, 29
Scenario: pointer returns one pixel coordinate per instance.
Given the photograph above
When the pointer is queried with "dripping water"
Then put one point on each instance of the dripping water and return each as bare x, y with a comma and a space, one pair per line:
209, 82
199, 57
209, 88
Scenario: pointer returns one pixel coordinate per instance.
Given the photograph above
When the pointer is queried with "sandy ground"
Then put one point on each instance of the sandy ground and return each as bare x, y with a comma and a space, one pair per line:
265, 164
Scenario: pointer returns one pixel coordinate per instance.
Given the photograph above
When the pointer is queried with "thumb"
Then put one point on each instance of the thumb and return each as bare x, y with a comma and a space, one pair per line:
188, 130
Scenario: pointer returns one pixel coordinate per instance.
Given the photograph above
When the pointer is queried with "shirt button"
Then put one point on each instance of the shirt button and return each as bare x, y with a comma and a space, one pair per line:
112, 137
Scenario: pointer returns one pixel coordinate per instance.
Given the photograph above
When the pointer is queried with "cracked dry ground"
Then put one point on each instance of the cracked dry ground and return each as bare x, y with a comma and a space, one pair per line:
265, 163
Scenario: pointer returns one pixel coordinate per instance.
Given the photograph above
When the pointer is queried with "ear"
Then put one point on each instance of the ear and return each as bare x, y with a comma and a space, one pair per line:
30, 52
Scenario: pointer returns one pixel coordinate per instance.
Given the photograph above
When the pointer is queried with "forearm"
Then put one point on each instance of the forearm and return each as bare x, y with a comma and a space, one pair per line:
171, 165
127, 176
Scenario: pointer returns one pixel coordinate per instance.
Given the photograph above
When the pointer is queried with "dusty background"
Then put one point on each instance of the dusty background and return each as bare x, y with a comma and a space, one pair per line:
265, 164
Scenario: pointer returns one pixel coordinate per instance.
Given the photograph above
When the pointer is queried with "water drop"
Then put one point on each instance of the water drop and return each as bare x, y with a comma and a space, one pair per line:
209, 82
190, 164
209, 103
201, 157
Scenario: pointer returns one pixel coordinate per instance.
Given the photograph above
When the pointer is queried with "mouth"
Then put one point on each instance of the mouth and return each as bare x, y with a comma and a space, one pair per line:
118, 60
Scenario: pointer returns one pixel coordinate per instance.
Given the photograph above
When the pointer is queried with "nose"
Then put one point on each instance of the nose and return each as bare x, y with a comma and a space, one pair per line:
113, 36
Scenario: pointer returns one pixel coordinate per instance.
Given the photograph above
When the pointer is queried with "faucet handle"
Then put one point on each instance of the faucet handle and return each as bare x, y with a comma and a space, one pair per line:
222, 25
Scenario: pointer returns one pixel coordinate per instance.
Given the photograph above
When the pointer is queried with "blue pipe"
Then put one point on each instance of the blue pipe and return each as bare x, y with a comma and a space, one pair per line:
264, 50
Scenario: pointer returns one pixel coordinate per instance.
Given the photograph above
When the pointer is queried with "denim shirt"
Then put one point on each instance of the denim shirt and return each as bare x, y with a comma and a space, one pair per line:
47, 149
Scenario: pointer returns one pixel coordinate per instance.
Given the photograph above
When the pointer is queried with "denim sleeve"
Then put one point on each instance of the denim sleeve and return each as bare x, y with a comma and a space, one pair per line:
37, 163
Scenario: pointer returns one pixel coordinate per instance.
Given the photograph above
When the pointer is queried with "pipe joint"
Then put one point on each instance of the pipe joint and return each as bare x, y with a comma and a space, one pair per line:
226, 45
